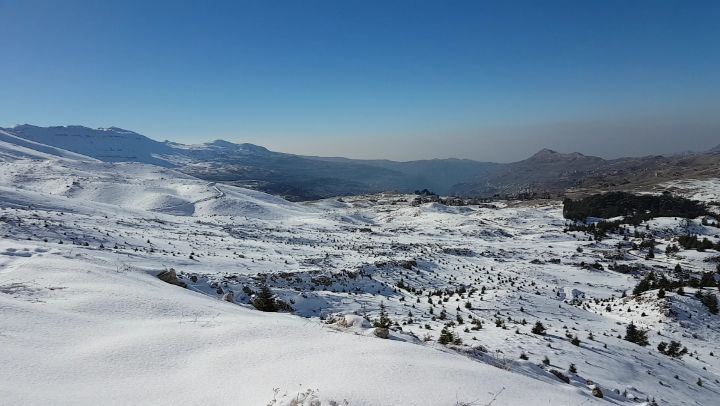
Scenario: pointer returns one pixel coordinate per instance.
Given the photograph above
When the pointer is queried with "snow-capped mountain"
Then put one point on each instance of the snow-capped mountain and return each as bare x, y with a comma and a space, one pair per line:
106, 144
307, 177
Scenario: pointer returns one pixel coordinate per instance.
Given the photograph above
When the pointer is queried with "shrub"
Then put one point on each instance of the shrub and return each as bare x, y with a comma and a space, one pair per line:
560, 375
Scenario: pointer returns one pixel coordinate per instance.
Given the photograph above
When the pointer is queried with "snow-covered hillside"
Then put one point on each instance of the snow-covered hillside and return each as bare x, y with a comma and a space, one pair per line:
86, 320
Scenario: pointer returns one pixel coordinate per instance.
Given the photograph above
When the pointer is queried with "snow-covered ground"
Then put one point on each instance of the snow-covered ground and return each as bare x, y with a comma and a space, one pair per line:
85, 320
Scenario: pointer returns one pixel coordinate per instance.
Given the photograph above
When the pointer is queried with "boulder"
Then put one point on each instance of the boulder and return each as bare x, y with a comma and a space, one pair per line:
382, 332
229, 297
170, 276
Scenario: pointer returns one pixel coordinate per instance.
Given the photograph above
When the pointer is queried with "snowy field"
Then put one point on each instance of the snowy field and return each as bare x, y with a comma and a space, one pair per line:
85, 320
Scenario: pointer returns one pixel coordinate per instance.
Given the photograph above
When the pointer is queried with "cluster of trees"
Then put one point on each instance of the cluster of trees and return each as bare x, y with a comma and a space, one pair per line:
425, 192
692, 242
635, 208
674, 349
598, 230
650, 282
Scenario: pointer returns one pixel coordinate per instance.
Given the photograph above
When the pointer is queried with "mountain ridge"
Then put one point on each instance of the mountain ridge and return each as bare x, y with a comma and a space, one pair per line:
298, 177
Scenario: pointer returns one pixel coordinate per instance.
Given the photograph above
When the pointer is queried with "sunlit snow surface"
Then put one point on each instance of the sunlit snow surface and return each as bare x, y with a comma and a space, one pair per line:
91, 324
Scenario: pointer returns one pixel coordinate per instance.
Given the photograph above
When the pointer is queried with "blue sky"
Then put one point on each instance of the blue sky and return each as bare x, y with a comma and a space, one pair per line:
373, 79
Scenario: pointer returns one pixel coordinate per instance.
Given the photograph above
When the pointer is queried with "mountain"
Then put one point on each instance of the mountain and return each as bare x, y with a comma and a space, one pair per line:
292, 176
13, 148
296, 177
106, 144
438, 175
552, 172
547, 170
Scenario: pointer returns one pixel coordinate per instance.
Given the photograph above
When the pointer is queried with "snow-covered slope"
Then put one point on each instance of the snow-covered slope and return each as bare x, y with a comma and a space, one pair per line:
85, 320
107, 144
14, 148
78, 330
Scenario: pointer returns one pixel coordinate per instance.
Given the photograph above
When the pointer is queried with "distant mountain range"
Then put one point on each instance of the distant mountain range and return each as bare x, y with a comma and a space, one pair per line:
307, 177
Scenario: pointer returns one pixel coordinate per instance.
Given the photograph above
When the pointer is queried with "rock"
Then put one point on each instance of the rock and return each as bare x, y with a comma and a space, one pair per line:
229, 297
382, 332
170, 276
353, 320
597, 392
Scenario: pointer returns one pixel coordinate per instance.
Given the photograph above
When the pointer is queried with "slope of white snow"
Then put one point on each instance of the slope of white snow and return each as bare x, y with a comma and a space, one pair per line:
78, 330
13, 148
107, 144
84, 320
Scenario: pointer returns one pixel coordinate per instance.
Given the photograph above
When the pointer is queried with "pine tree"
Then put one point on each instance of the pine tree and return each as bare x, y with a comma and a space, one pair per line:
265, 301
707, 280
384, 320
636, 335
711, 302
645, 284
538, 328
446, 336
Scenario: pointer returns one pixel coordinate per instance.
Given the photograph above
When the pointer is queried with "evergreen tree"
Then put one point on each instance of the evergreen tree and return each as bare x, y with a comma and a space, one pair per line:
446, 336
645, 284
265, 300
384, 320
538, 328
707, 280
636, 335
711, 302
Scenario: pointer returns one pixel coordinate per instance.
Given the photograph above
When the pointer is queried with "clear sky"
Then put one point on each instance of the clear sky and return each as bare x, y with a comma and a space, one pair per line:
373, 79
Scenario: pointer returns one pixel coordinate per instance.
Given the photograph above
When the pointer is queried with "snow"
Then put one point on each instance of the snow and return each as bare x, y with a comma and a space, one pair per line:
78, 330
86, 321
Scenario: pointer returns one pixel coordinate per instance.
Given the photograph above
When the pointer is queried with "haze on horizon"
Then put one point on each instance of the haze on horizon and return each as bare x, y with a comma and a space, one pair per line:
403, 80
